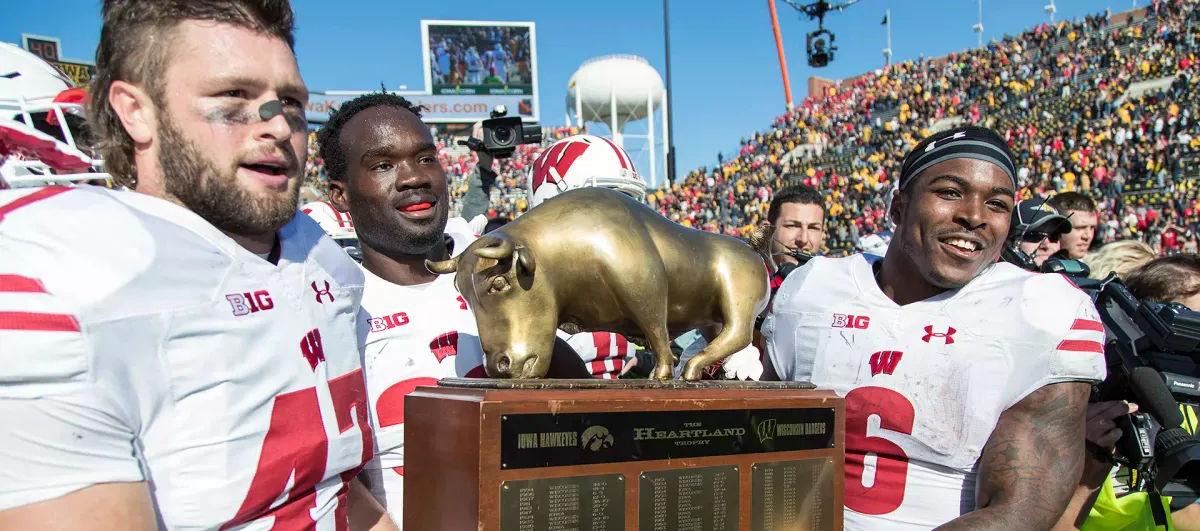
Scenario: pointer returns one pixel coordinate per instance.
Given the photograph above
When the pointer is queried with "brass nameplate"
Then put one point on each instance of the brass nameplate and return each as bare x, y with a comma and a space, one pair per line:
693, 499
792, 495
578, 503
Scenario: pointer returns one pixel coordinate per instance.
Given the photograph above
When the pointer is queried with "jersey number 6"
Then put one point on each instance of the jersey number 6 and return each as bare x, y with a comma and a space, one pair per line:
886, 492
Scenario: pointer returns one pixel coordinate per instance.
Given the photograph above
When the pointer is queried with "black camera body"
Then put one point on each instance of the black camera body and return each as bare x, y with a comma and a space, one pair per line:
1162, 343
820, 52
502, 134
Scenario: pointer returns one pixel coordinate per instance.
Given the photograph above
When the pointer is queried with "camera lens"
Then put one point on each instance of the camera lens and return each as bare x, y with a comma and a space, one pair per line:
503, 136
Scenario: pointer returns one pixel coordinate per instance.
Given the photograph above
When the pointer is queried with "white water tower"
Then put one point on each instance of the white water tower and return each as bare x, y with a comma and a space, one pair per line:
615, 90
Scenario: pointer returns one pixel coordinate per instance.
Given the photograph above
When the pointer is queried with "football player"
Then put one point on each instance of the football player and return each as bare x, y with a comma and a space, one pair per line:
185, 355
965, 380
384, 170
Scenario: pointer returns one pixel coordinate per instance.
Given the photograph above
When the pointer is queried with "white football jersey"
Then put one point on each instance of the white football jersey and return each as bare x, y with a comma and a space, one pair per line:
603, 353
418, 335
140, 343
925, 383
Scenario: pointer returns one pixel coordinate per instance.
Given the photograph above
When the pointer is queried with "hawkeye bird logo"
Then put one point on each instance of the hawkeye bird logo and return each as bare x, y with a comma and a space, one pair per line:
597, 438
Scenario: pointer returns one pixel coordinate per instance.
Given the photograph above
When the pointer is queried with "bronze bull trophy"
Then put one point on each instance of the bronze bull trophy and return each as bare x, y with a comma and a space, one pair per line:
594, 259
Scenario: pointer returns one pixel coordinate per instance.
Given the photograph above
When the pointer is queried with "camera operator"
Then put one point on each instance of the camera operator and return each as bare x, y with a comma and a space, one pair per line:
481, 180
1037, 229
1100, 500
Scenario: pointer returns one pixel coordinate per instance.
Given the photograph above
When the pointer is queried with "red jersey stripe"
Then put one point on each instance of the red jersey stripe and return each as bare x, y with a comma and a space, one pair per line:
1087, 324
1078, 345
49, 191
20, 284
41, 322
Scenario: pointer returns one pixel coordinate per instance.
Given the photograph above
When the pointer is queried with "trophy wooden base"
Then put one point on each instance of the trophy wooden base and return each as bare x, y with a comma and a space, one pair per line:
592, 455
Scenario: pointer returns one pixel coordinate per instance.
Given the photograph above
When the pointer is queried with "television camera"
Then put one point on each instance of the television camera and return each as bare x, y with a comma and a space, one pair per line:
820, 43
502, 134
1152, 352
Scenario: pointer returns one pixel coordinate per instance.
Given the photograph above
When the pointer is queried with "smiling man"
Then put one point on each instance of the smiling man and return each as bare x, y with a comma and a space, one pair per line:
384, 170
965, 380
183, 356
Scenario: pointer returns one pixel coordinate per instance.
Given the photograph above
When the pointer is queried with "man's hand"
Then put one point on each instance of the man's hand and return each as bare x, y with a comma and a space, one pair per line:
1100, 426
744, 364
1031, 463
485, 159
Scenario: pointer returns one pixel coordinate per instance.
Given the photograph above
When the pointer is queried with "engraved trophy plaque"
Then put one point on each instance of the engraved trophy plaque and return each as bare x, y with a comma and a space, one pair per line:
559, 455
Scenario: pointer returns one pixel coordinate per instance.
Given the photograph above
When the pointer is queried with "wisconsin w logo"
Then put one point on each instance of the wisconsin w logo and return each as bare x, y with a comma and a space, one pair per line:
885, 361
557, 162
766, 430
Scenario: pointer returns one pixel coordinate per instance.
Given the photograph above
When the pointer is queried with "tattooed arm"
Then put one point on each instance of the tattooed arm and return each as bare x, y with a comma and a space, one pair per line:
1032, 462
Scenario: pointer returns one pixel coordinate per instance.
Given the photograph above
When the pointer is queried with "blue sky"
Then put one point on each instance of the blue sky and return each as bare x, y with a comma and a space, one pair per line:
724, 66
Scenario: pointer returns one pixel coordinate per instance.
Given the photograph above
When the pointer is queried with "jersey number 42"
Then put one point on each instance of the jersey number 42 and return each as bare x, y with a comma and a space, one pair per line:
296, 444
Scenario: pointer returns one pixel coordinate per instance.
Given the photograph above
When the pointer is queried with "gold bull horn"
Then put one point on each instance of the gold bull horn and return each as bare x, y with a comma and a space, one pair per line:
442, 267
504, 250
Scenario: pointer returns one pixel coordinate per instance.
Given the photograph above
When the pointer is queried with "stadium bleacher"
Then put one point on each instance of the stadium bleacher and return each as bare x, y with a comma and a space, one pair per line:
1101, 105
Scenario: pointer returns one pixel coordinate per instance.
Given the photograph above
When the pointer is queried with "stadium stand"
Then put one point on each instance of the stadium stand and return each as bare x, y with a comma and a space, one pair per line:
1102, 105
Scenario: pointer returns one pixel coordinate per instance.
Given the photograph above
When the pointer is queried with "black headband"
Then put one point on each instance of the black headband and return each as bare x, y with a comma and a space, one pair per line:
973, 143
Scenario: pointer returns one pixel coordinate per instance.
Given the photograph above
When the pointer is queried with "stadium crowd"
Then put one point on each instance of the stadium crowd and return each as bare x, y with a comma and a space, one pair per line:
1071, 98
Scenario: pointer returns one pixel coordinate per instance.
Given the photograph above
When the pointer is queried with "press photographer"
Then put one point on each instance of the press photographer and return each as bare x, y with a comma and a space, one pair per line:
1153, 336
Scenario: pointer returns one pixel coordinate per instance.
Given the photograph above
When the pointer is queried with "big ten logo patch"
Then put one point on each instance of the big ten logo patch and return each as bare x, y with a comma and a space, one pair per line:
250, 302
859, 322
387, 322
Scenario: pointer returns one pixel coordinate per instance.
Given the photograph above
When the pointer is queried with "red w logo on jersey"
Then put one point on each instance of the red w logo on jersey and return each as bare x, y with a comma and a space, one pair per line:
444, 346
310, 346
885, 361
560, 158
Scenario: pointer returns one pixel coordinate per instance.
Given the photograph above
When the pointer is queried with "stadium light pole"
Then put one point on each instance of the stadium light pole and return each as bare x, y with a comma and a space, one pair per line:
887, 52
978, 28
670, 145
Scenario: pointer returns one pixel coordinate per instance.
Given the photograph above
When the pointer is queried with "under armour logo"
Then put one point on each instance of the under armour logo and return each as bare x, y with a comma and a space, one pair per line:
948, 336
322, 292
310, 346
933, 144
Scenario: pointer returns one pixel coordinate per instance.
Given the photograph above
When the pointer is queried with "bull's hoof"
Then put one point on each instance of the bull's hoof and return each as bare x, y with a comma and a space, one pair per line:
662, 372
692, 373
